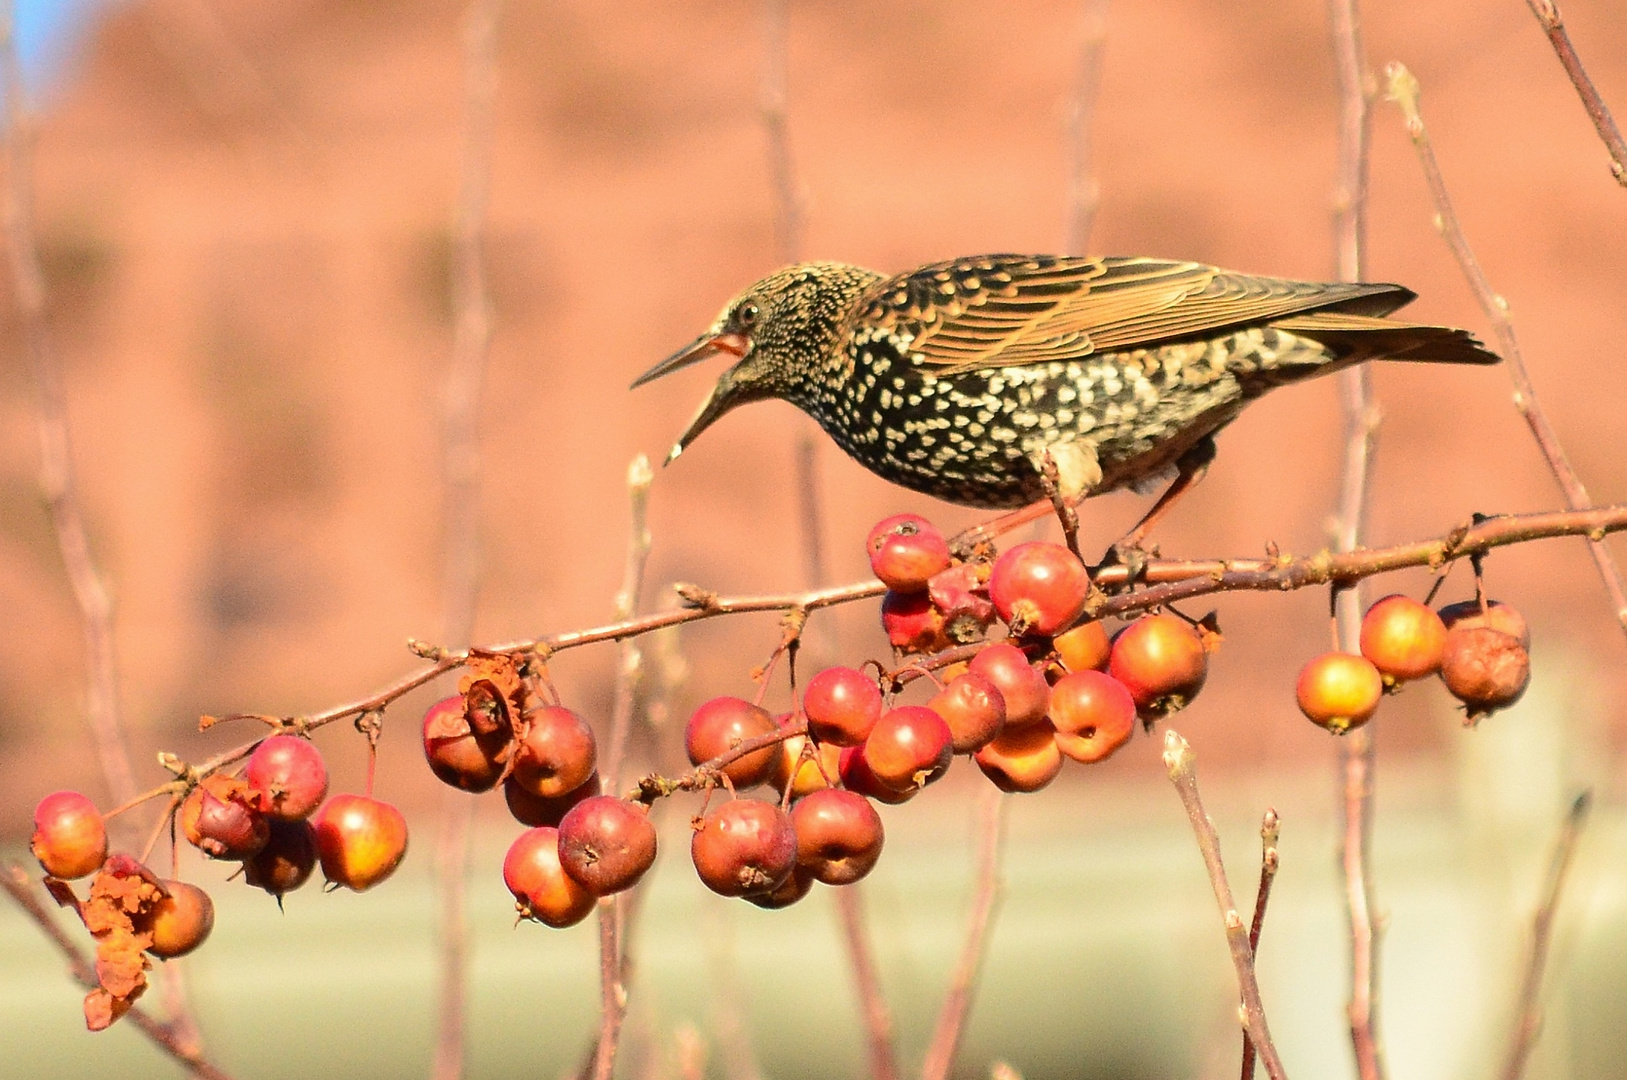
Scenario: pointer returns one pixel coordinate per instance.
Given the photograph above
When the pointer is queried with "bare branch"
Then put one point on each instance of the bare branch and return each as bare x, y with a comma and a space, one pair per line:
1528, 1025
57, 478
1358, 755
167, 1037
1179, 760
957, 1003
1269, 829
1403, 90
1547, 13
878, 1019
1084, 192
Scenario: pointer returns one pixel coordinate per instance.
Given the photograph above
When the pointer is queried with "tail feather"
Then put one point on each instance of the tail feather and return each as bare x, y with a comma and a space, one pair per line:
1364, 337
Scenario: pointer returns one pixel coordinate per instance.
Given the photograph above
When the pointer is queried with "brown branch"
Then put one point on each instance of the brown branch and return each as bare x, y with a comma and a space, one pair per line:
57, 477
789, 222
169, 1038
1361, 417
613, 910
1403, 90
957, 1003
878, 1019
1547, 13
1529, 1006
1179, 760
1269, 829
1084, 192
460, 470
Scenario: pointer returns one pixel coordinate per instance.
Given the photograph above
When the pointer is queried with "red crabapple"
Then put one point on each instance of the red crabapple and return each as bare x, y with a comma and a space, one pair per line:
905, 551
70, 836
1039, 588
359, 839
606, 843
744, 847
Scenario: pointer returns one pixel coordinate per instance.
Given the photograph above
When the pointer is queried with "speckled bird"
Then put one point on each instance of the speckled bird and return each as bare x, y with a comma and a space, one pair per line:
959, 378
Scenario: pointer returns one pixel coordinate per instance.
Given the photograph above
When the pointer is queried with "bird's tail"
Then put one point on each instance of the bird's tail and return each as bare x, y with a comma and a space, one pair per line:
1355, 338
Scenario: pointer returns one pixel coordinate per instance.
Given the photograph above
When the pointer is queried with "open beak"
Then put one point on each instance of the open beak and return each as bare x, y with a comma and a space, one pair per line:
708, 344
721, 400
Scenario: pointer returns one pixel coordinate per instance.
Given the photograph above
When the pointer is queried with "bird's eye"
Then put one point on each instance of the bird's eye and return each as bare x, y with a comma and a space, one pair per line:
746, 314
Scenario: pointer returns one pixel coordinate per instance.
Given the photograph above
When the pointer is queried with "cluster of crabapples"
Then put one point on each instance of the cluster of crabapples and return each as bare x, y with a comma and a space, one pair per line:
1049, 692
1480, 650
271, 817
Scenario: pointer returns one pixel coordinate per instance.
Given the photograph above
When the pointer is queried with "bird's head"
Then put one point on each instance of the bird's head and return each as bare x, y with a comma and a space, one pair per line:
781, 333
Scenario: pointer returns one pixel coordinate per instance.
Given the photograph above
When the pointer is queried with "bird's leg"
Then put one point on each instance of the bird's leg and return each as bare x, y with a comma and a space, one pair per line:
1076, 472
1190, 467
1050, 476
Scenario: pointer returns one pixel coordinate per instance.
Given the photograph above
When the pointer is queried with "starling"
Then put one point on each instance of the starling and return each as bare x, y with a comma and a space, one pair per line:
960, 379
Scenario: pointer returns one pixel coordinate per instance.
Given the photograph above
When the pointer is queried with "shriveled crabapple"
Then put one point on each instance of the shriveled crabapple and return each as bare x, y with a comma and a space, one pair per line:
960, 595
1496, 615
556, 754
1162, 661
722, 724
839, 835
912, 624
842, 705
70, 835
905, 551
858, 776
287, 776
532, 809
360, 840
1484, 668
1039, 587
219, 819
910, 747
606, 843
458, 754
1093, 715
1022, 759
1024, 689
1403, 638
1084, 648
180, 921
1339, 691
542, 890
286, 862
744, 847
973, 707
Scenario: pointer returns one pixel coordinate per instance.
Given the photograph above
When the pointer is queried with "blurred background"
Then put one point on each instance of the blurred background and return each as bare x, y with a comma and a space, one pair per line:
245, 214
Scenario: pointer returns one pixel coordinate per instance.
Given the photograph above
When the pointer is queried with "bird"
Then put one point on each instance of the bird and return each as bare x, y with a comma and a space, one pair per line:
966, 379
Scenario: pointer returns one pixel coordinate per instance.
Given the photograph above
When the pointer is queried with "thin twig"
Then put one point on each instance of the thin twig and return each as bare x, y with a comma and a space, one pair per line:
1084, 192
1403, 90
461, 468
1358, 755
166, 1037
613, 910
1529, 1006
1270, 827
877, 1017
957, 1003
1547, 13
788, 197
1180, 761
57, 477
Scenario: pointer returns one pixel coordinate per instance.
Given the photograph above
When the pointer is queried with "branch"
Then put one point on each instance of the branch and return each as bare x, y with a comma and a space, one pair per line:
1179, 760
1358, 755
1529, 1009
1084, 193
57, 478
1547, 13
957, 1003
166, 1037
460, 468
1269, 829
878, 1019
613, 909
1403, 90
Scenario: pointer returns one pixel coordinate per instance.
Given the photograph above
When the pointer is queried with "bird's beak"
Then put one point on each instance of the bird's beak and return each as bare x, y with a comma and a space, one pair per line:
725, 396
708, 344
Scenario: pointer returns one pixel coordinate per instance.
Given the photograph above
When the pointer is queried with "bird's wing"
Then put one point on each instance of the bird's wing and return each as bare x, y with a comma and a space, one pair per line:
1011, 310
